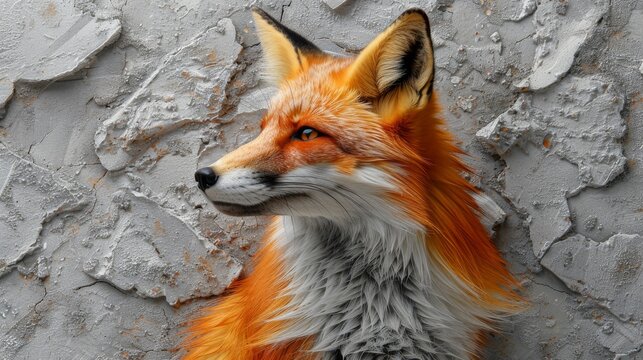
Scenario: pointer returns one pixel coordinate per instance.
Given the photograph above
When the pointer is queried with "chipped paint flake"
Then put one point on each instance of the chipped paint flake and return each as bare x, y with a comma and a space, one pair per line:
30, 196
334, 4
187, 88
610, 272
574, 128
555, 54
515, 10
156, 254
71, 39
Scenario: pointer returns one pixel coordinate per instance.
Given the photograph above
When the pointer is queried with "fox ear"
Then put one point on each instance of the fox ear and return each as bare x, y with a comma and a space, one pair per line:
395, 71
284, 51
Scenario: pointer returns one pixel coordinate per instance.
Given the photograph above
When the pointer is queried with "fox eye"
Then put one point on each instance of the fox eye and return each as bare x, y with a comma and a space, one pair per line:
306, 133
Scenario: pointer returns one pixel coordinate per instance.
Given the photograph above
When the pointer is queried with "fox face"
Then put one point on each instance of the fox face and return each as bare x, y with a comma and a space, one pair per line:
339, 134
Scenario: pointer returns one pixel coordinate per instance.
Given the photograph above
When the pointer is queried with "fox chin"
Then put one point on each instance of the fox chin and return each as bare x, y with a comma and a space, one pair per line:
375, 249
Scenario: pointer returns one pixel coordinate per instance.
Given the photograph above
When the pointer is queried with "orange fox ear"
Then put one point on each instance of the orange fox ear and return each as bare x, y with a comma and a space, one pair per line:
284, 51
395, 71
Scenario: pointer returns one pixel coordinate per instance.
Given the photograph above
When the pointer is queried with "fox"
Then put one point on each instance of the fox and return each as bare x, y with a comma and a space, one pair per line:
375, 247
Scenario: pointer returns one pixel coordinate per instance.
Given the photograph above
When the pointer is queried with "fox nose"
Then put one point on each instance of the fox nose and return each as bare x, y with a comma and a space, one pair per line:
206, 177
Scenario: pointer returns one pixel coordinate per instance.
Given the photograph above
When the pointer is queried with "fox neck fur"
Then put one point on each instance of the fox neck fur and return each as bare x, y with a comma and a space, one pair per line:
367, 289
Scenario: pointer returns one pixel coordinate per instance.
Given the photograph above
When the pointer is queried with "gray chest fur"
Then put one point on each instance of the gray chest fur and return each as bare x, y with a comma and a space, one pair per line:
364, 291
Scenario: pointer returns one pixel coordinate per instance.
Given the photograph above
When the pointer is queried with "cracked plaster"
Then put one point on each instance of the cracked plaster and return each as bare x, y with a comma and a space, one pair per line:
552, 89
578, 122
48, 41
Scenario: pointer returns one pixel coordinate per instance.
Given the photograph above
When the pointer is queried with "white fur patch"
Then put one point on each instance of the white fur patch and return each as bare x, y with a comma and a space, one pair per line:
330, 194
240, 186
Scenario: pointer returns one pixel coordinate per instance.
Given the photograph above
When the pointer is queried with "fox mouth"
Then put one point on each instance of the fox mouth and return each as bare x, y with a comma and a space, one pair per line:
274, 206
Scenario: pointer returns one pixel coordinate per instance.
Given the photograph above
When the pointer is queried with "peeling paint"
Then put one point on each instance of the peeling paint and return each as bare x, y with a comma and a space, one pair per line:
555, 54
45, 42
157, 255
187, 88
30, 196
610, 272
576, 122
551, 88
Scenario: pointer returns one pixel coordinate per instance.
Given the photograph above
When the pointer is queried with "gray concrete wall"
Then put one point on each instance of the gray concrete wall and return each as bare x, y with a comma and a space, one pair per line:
108, 107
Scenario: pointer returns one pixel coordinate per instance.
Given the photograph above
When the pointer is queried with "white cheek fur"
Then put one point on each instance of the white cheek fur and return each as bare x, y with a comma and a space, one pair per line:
344, 197
329, 193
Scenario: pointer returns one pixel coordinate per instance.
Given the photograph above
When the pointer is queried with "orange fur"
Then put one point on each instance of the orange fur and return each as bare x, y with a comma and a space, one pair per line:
456, 238
237, 327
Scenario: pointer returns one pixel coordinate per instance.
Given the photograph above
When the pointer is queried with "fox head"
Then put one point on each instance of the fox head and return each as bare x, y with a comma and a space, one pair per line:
341, 135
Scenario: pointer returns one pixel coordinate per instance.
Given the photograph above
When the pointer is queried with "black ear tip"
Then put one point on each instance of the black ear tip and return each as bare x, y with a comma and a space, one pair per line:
420, 12
298, 41
416, 11
259, 11
264, 15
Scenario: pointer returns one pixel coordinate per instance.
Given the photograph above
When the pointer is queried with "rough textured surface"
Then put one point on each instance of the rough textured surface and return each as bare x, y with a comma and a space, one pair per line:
611, 273
30, 196
166, 102
102, 228
576, 122
48, 41
146, 249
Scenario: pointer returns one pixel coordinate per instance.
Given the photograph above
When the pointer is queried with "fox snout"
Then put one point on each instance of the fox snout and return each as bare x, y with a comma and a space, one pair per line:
205, 177
240, 192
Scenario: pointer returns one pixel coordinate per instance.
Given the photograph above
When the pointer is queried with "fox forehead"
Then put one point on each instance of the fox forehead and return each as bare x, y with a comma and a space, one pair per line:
318, 90
319, 97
